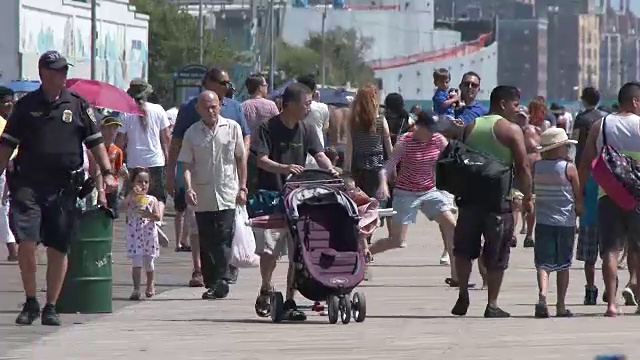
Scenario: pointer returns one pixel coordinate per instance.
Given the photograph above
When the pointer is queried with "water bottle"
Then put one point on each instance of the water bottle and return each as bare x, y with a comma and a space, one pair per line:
611, 357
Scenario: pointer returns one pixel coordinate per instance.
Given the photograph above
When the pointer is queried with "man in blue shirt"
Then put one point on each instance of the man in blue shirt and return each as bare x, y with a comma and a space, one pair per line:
216, 80
469, 88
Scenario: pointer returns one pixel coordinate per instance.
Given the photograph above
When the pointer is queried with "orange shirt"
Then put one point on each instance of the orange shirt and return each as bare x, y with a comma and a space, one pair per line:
117, 158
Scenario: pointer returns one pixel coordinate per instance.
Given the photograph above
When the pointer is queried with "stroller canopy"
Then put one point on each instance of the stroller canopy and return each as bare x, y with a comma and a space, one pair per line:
318, 195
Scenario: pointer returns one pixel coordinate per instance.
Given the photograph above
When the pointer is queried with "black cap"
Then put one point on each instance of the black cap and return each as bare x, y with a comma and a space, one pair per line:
427, 118
52, 60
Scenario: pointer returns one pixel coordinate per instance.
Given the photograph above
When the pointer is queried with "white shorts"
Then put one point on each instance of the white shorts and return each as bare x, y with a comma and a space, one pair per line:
5, 232
142, 261
272, 241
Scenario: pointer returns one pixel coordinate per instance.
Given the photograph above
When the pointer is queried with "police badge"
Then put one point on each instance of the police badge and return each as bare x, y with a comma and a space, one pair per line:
92, 116
67, 116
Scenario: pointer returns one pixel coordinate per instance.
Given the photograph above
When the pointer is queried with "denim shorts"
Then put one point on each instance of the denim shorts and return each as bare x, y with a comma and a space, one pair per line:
431, 203
553, 249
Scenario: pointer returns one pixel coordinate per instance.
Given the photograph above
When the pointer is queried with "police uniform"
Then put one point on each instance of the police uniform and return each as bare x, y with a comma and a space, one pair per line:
48, 167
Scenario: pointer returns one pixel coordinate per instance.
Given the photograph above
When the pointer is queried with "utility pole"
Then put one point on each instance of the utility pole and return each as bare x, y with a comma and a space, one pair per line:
94, 37
272, 44
254, 31
200, 32
323, 55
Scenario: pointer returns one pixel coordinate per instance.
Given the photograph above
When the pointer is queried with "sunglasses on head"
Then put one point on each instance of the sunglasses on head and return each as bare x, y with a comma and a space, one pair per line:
471, 84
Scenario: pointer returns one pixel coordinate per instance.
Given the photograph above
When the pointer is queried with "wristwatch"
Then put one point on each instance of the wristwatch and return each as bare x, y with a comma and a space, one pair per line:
108, 172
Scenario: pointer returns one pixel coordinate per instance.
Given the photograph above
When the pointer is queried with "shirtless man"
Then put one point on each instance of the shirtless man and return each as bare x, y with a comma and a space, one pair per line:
531, 142
337, 132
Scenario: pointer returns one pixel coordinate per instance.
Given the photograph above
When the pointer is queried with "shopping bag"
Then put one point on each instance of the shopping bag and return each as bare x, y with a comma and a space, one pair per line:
243, 246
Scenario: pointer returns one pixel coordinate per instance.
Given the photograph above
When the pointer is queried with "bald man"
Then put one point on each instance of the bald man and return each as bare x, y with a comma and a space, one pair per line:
215, 176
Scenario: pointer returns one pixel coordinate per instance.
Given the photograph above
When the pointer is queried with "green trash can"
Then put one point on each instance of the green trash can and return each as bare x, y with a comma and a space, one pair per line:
88, 285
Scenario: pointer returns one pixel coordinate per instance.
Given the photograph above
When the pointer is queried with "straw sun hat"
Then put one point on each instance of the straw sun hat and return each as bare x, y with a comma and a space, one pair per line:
553, 138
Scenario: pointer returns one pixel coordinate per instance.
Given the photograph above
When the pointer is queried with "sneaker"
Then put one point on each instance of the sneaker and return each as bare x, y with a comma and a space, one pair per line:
629, 297
49, 316
30, 312
528, 242
163, 240
221, 290
292, 313
444, 259
196, 280
590, 295
233, 274
495, 312
209, 295
135, 295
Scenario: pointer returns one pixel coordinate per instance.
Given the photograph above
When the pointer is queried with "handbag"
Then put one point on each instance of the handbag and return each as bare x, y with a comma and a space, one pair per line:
617, 174
474, 177
265, 202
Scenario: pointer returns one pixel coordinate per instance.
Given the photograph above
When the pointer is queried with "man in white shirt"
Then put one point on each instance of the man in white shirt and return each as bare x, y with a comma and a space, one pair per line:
318, 116
215, 178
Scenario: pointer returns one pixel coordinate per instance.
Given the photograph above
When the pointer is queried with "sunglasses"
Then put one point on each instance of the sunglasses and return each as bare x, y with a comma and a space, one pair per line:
470, 84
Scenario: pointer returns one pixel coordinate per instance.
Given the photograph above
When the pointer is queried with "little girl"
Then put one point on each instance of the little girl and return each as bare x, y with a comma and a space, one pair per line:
558, 201
140, 234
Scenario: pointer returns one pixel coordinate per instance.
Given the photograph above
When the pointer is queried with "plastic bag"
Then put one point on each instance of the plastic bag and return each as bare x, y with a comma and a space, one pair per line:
243, 246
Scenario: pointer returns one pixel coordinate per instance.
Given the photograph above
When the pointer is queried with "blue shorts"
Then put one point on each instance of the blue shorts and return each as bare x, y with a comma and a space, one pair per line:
553, 249
431, 203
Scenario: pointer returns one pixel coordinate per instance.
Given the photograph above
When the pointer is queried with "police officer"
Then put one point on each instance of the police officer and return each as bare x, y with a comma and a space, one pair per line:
50, 126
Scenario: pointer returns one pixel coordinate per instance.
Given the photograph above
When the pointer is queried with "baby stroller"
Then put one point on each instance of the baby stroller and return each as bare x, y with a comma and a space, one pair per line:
329, 261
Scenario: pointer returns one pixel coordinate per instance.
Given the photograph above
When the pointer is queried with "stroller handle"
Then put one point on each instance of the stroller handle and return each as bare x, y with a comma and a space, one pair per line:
311, 175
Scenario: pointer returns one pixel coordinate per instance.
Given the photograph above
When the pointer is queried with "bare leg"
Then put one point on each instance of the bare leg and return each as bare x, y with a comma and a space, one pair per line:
543, 286
562, 281
447, 223
590, 275
56, 270
178, 223
463, 270
136, 277
610, 273
483, 274
27, 253
398, 236
150, 283
494, 283
267, 266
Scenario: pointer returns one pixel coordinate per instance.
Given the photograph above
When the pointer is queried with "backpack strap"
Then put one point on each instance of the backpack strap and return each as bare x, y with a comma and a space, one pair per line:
604, 133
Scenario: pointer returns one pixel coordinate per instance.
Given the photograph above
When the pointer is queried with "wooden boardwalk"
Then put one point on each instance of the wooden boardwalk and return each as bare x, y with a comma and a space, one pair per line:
408, 318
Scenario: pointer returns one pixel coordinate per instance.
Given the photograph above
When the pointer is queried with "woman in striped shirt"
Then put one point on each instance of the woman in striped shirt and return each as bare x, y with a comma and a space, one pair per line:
415, 185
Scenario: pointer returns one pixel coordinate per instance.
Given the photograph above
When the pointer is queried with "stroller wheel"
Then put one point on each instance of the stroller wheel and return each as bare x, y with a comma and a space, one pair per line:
334, 308
345, 310
359, 307
277, 307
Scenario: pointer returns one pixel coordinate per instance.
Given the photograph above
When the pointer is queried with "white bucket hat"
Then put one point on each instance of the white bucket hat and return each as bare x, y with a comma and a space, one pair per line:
553, 138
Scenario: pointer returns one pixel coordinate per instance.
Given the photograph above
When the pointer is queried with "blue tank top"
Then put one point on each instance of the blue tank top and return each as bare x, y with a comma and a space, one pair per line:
554, 194
590, 216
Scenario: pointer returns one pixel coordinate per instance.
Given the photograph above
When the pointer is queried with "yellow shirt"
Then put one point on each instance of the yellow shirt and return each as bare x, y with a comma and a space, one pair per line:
3, 124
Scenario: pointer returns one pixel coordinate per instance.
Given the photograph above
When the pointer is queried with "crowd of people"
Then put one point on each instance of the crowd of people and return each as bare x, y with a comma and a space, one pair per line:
213, 153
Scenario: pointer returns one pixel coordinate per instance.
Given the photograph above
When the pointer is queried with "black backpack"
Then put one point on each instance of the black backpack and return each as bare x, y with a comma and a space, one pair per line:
474, 178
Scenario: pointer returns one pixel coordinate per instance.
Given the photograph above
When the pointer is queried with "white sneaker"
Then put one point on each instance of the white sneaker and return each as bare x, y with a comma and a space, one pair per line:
444, 259
629, 297
163, 240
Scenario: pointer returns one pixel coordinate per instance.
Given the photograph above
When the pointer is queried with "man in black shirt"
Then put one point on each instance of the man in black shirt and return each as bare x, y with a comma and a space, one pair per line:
50, 125
590, 98
281, 145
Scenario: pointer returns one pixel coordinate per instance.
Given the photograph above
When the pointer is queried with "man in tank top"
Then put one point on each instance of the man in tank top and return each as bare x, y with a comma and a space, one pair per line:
616, 227
498, 135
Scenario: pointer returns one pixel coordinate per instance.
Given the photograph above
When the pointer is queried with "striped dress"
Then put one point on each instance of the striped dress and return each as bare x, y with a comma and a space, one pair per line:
368, 150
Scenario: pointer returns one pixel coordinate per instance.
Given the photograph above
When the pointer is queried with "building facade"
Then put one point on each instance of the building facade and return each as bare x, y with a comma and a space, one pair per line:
522, 56
31, 27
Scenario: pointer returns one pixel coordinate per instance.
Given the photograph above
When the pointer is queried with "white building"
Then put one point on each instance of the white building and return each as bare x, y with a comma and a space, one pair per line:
31, 27
406, 47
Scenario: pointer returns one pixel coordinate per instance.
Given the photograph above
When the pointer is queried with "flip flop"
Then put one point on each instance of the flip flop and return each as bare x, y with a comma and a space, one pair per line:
541, 312
610, 314
453, 283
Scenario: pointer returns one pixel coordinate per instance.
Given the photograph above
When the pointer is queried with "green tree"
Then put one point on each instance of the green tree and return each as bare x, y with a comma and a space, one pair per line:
296, 60
174, 42
345, 53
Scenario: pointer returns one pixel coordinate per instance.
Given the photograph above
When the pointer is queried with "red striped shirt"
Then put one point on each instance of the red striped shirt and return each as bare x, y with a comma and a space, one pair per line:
417, 172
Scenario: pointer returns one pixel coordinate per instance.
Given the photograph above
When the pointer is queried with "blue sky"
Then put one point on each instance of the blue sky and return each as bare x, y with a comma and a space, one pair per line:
635, 5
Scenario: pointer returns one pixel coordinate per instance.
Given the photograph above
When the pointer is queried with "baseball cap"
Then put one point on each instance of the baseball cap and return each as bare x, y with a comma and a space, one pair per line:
110, 120
52, 60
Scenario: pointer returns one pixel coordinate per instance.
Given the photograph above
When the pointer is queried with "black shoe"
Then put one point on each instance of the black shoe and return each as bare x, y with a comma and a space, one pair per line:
292, 313
49, 316
461, 307
514, 242
208, 295
30, 312
590, 295
528, 242
233, 275
221, 290
495, 312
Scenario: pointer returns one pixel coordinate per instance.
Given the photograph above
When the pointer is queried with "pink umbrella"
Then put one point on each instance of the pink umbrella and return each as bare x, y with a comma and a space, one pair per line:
101, 94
